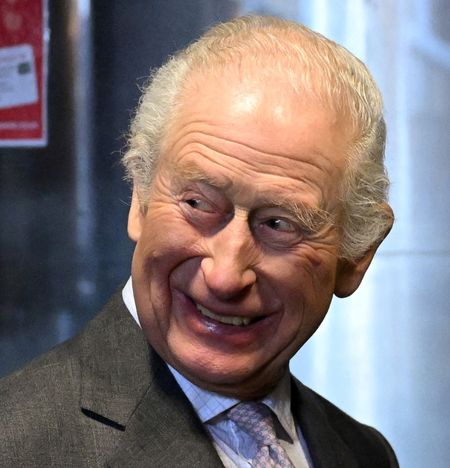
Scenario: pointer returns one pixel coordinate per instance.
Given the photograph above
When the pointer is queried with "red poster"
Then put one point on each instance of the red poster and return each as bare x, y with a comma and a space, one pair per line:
23, 71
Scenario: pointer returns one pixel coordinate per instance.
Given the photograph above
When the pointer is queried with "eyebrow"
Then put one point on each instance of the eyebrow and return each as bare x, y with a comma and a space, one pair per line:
313, 219
191, 173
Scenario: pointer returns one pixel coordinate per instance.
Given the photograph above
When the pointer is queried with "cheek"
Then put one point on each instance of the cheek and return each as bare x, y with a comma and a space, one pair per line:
305, 282
319, 262
306, 289
166, 238
168, 243
305, 269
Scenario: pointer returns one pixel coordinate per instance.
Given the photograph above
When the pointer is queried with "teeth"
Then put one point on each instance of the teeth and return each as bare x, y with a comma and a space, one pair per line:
227, 319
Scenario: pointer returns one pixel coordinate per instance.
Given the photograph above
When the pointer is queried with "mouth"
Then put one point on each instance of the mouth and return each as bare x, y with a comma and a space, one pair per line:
236, 320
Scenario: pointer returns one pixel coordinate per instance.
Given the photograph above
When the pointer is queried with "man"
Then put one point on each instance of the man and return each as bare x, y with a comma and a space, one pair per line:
259, 191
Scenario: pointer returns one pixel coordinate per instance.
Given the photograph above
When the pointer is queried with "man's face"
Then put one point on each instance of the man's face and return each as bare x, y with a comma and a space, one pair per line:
236, 262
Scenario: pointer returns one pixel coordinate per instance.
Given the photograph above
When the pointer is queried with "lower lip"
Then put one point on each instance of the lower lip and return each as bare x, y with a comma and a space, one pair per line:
207, 328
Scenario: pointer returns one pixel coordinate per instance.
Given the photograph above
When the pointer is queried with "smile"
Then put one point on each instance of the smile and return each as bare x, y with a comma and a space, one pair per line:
226, 319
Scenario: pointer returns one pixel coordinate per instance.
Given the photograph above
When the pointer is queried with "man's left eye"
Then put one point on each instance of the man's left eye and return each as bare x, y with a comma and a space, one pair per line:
279, 224
199, 204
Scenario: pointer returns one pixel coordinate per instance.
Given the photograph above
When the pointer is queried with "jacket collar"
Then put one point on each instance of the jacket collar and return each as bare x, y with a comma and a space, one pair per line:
114, 364
326, 447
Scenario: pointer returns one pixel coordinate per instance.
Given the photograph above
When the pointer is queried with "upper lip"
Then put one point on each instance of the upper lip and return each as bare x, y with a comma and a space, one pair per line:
228, 309
235, 316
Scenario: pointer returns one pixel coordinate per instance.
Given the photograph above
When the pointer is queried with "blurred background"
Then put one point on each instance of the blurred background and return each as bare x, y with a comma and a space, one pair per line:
381, 355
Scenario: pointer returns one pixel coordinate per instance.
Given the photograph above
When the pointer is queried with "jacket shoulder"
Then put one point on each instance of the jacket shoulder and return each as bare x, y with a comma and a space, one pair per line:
35, 403
46, 378
42, 420
56, 372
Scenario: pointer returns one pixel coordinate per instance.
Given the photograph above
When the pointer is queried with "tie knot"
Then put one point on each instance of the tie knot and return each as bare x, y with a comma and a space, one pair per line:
255, 419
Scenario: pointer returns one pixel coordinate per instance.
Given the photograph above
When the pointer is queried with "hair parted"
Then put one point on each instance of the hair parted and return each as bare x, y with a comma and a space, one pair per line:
310, 62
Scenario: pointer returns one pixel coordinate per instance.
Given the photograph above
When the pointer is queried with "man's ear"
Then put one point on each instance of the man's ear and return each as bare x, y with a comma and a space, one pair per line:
135, 218
351, 272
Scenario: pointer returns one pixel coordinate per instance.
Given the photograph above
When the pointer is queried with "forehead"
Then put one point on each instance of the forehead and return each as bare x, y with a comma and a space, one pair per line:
244, 99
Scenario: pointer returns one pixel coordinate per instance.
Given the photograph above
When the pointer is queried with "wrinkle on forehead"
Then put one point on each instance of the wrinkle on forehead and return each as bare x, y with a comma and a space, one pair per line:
232, 101
276, 162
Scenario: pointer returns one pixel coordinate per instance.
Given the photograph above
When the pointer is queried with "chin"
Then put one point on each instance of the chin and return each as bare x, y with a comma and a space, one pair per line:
215, 371
242, 381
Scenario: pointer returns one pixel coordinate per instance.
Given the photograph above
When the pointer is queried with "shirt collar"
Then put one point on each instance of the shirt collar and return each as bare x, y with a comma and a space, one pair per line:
128, 299
209, 405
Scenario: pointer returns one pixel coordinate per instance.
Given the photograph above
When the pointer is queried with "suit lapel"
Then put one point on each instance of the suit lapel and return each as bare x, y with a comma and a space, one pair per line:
115, 370
126, 385
165, 430
326, 447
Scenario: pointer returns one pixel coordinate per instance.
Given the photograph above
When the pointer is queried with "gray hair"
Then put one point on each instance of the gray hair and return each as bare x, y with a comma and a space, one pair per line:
308, 61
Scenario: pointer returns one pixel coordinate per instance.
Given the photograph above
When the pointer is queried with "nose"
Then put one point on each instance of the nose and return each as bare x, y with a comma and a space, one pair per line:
228, 269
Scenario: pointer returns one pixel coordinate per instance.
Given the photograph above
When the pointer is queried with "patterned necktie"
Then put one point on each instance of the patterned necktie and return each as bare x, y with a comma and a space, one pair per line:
256, 420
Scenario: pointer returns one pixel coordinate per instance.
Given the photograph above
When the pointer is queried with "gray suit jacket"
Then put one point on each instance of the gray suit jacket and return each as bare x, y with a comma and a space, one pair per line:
105, 398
